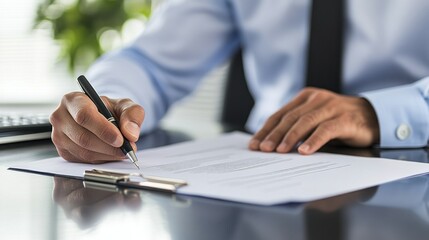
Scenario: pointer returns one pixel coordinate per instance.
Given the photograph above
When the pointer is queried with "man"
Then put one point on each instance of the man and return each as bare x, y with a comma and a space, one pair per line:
384, 65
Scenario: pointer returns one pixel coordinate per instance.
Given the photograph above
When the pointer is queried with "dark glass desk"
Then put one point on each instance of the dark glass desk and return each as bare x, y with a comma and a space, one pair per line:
42, 207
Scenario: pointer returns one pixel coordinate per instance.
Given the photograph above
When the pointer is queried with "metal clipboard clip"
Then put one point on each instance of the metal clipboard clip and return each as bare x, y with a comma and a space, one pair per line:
102, 179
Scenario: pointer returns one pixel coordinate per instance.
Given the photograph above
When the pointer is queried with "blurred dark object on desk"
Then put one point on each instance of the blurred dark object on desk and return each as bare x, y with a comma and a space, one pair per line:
21, 124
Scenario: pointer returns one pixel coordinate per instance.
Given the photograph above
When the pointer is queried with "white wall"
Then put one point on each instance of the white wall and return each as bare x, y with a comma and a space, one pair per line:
28, 69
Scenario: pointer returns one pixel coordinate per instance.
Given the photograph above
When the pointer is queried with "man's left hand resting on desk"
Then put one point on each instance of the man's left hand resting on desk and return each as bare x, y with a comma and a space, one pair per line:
81, 134
316, 116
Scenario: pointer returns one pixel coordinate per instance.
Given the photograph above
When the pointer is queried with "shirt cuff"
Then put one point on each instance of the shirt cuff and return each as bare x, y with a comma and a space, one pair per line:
402, 114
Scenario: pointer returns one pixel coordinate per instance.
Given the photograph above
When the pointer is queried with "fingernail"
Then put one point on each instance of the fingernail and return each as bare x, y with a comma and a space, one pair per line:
133, 129
267, 145
117, 142
254, 143
304, 147
282, 147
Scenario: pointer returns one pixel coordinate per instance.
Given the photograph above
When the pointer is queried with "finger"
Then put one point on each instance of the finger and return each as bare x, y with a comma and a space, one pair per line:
131, 116
289, 119
275, 135
273, 121
85, 114
304, 126
86, 139
60, 141
75, 153
323, 134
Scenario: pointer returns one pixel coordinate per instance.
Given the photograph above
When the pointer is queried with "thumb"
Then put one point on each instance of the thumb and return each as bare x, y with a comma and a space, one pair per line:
130, 116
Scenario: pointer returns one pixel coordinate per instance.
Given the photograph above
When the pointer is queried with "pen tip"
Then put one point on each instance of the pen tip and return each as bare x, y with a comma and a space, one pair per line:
132, 156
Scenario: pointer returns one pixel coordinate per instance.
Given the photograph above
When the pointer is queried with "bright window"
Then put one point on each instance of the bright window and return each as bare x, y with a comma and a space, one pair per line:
28, 69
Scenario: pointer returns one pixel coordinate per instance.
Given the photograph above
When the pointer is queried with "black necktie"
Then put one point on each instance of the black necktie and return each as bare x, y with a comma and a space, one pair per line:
325, 46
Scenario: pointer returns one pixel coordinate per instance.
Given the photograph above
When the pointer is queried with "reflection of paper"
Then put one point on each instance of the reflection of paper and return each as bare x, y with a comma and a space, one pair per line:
224, 168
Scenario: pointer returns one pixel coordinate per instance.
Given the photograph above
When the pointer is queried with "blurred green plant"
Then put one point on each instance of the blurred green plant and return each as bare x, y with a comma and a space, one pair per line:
79, 26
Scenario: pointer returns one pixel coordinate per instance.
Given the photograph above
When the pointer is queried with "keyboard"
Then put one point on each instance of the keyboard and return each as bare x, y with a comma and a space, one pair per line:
19, 127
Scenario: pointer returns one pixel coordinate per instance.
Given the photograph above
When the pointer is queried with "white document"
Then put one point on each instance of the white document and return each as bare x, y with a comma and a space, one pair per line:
224, 168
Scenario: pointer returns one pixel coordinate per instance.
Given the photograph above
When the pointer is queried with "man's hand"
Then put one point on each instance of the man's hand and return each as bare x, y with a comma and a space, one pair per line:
81, 134
86, 206
315, 117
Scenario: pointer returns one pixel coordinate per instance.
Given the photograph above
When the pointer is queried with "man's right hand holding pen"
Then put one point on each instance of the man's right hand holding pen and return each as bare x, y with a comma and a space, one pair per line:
81, 134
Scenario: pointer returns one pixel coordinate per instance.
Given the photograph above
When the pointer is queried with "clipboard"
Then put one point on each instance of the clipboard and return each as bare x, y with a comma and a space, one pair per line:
103, 179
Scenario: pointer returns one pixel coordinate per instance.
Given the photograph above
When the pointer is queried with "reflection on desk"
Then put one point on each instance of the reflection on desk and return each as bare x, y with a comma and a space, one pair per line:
358, 215
398, 210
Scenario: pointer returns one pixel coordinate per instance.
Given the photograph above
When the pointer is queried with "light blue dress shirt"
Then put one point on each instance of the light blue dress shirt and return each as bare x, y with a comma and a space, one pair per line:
386, 45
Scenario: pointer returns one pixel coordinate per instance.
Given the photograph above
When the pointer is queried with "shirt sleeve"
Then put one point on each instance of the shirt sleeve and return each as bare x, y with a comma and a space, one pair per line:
183, 41
403, 114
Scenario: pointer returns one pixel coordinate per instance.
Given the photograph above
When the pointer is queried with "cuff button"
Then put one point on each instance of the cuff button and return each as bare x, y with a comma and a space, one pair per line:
403, 132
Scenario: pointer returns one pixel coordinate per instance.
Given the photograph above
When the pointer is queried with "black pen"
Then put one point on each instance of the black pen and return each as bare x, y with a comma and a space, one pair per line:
92, 94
